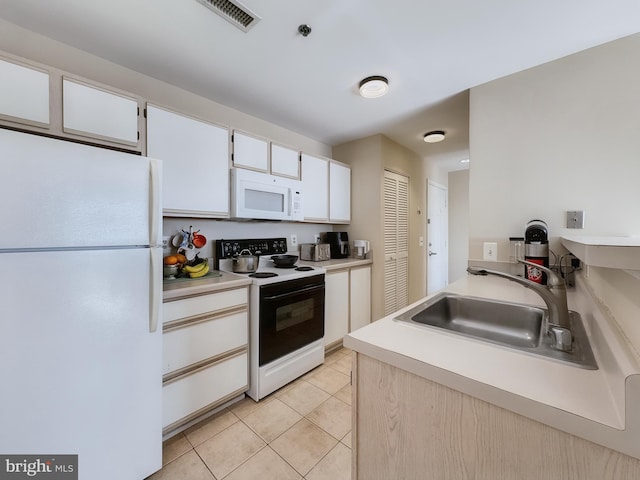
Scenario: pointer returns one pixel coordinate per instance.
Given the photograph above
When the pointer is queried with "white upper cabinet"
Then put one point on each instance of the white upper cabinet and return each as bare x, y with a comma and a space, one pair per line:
285, 161
195, 158
94, 112
24, 94
250, 152
339, 193
315, 188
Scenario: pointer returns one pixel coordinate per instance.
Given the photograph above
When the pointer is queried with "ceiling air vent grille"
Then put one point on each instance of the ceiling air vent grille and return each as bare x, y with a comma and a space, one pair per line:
233, 12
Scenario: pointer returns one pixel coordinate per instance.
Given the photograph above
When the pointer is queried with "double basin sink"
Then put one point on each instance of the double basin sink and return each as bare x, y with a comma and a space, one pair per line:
517, 326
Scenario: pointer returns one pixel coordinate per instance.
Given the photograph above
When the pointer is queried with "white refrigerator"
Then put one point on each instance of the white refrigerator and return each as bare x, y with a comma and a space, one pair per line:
80, 298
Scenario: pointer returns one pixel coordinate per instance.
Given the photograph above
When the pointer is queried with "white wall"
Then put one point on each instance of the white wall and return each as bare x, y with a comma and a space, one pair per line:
458, 224
37, 48
33, 47
562, 136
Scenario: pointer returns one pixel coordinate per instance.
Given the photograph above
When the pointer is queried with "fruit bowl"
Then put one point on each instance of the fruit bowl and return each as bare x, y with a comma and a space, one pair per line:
170, 271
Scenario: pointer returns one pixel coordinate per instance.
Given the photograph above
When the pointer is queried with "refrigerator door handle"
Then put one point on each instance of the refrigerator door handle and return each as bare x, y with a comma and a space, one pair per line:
155, 284
155, 207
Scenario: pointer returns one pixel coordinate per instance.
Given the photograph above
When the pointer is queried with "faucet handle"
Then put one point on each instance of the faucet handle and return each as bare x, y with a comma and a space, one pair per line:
553, 279
562, 338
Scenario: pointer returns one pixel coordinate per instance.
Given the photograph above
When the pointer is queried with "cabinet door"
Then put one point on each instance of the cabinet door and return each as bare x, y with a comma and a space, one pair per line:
285, 161
24, 96
315, 188
250, 152
339, 193
187, 397
195, 157
194, 342
93, 112
336, 314
360, 305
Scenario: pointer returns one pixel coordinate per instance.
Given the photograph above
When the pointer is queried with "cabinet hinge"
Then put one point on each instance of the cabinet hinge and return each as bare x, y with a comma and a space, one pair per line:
138, 114
138, 135
232, 138
145, 113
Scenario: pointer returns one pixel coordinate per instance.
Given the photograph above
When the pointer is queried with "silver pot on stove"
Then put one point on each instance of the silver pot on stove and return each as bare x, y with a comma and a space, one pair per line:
245, 262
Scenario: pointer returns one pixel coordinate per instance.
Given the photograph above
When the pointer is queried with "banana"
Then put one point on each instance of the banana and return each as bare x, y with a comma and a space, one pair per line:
194, 268
200, 273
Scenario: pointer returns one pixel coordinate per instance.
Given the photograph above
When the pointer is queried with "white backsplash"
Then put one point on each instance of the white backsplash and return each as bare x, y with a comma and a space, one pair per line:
217, 229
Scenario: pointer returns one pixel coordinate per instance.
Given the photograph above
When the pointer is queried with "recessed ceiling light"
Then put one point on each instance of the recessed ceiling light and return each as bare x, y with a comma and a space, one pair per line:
466, 160
434, 137
374, 87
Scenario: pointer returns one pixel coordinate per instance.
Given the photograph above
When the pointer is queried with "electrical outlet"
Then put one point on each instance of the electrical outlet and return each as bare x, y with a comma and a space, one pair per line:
490, 250
294, 240
316, 238
575, 219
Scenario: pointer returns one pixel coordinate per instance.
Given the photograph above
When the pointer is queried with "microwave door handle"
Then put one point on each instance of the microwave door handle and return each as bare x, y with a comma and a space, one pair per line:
290, 202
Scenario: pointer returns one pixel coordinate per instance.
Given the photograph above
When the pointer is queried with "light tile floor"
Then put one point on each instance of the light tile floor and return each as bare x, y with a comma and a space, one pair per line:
302, 431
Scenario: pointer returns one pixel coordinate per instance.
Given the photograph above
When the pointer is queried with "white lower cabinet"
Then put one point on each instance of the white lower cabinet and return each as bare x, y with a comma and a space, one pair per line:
189, 396
336, 306
360, 291
205, 355
347, 302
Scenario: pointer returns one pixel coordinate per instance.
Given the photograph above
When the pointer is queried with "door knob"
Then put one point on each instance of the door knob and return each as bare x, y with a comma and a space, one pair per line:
432, 253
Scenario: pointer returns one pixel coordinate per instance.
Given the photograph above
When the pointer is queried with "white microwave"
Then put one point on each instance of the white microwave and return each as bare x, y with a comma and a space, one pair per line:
256, 195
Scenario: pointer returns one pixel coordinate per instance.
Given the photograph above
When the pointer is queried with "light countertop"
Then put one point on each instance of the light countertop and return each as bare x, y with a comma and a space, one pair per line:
338, 263
592, 404
200, 286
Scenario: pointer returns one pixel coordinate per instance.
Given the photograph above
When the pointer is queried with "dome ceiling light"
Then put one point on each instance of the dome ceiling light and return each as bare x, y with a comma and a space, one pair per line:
434, 136
374, 87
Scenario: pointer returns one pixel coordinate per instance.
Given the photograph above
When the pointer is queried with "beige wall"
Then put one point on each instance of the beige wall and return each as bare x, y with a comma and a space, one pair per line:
458, 224
562, 136
369, 157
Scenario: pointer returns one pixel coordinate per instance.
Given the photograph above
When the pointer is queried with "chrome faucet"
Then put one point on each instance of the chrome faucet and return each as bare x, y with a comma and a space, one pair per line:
554, 295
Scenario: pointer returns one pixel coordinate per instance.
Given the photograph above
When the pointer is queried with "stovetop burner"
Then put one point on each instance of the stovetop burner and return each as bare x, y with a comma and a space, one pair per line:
304, 269
263, 274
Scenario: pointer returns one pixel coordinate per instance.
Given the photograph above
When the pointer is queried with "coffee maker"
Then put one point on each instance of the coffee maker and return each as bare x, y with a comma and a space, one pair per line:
339, 244
536, 250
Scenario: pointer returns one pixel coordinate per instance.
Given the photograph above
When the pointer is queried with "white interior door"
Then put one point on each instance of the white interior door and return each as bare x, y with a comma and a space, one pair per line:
437, 235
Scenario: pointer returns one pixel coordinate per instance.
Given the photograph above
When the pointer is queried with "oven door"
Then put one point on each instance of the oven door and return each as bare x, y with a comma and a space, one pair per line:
291, 316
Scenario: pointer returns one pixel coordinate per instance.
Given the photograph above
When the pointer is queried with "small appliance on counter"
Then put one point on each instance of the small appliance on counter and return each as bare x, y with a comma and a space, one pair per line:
339, 244
536, 250
360, 248
315, 252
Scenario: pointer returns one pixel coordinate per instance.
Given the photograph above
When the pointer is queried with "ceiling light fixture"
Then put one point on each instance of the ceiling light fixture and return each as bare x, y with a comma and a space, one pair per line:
374, 87
434, 137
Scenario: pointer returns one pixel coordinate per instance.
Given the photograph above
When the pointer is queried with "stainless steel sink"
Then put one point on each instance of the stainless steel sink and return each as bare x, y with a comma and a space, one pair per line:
509, 324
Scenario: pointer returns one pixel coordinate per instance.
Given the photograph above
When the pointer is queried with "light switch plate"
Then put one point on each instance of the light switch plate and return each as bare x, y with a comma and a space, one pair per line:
575, 219
490, 250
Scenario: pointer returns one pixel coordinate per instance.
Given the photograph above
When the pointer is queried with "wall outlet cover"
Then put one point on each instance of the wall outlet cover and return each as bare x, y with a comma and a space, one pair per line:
490, 251
575, 219
294, 240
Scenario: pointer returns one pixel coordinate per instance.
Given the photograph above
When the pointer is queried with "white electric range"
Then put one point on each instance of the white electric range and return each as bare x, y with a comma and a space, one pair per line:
286, 319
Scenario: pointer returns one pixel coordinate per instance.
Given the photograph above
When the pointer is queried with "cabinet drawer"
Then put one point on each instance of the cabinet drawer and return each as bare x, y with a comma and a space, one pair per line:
192, 395
194, 342
189, 307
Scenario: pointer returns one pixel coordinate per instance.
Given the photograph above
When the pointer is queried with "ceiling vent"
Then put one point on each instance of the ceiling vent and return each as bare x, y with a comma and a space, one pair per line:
233, 12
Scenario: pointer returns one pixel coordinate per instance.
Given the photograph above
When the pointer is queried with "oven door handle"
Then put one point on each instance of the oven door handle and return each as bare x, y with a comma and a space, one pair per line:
312, 288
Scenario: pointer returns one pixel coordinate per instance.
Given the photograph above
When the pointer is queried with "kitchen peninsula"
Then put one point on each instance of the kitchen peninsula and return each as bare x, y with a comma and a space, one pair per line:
430, 404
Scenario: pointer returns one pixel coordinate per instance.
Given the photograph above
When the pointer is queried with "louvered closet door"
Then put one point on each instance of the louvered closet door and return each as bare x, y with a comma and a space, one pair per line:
396, 241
